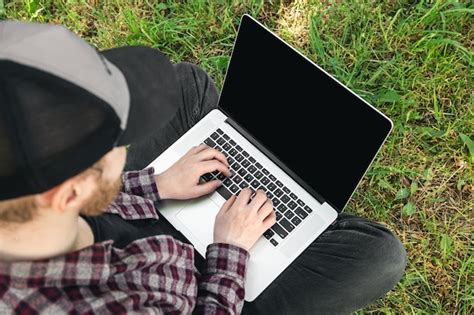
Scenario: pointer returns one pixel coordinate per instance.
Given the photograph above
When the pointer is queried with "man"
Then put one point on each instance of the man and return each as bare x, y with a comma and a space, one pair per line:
79, 235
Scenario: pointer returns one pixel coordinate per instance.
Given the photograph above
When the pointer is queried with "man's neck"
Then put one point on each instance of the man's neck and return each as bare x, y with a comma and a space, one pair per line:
84, 238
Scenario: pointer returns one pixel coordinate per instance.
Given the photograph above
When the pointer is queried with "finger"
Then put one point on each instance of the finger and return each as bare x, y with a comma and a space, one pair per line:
213, 165
259, 199
269, 221
243, 198
228, 204
207, 187
211, 153
265, 210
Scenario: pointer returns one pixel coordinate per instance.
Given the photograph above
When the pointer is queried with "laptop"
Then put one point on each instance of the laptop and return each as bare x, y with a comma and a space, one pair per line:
290, 128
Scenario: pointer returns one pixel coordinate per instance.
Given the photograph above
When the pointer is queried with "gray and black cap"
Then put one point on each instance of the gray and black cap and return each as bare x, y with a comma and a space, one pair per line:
64, 104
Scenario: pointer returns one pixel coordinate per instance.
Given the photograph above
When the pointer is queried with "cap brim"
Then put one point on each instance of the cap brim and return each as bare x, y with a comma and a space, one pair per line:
155, 90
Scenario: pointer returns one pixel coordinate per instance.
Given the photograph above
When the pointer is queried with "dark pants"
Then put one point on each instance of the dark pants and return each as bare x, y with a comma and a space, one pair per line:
349, 266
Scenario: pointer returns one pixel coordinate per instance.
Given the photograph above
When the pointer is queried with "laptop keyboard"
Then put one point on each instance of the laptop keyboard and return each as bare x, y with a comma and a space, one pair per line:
248, 172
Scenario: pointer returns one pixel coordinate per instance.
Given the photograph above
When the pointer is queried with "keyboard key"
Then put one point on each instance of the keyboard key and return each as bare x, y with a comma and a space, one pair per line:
278, 215
292, 204
232, 142
275, 243
255, 183
285, 189
242, 172
258, 165
296, 221
269, 195
273, 178
224, 192
210, 143
236, 166
248, 178
282, 208
287, 225
276, 201
265, 180
279, 230
271, 186
278, 192
221, 141
279, 184
226, 137
239, 148
293, 196
220, 176
227, 182
234, 188
218, 148
308, 209
230, 160
251, 159
227, 147
237, 179
243, 184
268, 234
239, 157
244, 153
252, 169
258, 174
285, 198
219, 131
233, 152
301, 203
289, 214
207, 177
301, 213
214, 135
245, 163
265, 171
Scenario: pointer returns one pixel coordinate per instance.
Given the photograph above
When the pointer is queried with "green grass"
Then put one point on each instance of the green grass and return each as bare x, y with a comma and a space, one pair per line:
411, 59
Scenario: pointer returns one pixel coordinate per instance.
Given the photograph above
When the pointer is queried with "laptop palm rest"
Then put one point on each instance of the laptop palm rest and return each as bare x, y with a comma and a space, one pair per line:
199, 216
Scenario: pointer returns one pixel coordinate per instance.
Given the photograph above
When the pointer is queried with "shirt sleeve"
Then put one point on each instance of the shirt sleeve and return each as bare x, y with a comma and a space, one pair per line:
141, 183
221, 285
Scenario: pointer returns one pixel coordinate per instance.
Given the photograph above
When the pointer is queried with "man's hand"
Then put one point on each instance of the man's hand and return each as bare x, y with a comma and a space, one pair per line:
181, 180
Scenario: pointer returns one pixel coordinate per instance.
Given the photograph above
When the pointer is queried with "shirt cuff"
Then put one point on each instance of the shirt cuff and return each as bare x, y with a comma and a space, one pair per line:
227, 258
141, 183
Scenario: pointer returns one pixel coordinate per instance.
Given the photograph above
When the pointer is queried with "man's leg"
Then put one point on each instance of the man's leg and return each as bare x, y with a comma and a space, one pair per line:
353, 263
199, 97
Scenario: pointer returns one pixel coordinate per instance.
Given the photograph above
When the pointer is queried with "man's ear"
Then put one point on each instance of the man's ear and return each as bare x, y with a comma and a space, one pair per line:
69, 195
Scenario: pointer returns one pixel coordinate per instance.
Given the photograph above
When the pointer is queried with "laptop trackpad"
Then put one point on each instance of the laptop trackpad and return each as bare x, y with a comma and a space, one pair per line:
199, 217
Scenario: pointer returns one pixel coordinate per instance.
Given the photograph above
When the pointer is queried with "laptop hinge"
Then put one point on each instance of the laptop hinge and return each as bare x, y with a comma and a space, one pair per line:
274, 159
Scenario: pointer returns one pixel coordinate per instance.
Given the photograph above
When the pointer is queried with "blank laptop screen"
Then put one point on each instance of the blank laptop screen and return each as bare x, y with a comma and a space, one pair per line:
319, 129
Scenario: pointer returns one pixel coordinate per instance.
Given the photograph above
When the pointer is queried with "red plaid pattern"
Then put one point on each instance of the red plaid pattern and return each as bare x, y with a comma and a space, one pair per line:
153, 275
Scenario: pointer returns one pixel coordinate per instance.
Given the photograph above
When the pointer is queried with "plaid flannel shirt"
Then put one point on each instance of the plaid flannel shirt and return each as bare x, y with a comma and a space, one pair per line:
153, 275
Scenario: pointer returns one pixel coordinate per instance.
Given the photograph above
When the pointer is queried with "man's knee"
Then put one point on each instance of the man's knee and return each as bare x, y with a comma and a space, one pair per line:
377, 259
383, 255
394, 258
200, 94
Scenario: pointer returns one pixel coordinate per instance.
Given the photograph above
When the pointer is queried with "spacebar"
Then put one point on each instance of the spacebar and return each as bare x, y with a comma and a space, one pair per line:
224, 192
